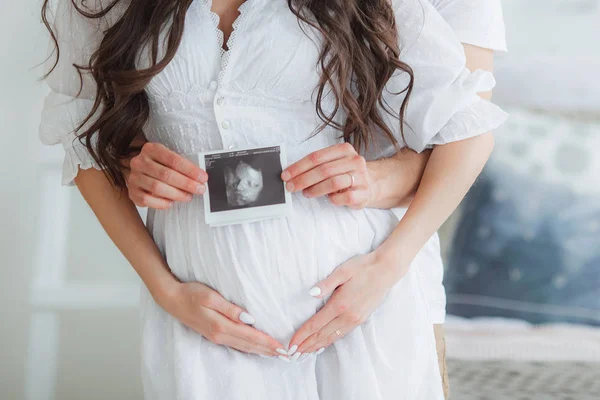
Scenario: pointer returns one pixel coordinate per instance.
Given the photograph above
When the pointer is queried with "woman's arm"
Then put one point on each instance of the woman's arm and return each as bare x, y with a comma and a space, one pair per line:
194, 304
396, 179
123, 224
69, 101
444, 113
450, 172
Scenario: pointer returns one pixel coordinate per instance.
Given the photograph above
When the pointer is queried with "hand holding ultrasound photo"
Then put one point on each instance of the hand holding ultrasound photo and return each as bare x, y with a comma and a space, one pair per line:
244, 185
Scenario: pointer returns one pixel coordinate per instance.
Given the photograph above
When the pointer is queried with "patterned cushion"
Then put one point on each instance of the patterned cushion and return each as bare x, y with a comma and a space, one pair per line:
528, 242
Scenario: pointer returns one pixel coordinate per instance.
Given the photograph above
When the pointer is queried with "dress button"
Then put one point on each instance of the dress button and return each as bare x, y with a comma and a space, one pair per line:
225, 124
220, 101
213, 84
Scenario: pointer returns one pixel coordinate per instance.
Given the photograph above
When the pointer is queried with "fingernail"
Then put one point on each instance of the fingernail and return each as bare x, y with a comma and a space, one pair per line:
296, 356
247, 318
322, 349
200, 189
306, 193
283, 358
292, 350
314, 292
289, 186
285, 175
282, 351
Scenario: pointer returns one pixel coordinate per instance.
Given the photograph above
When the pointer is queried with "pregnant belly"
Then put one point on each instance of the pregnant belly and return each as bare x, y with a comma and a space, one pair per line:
268, 267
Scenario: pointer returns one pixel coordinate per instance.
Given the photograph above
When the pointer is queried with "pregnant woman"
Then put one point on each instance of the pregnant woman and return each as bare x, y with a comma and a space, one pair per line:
157, 177
314, 75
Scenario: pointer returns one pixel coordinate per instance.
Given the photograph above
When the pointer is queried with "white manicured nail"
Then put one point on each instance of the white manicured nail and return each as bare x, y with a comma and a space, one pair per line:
322, 349
292, 350
314, 292
247, 318
282, 351
283, 358
296, 356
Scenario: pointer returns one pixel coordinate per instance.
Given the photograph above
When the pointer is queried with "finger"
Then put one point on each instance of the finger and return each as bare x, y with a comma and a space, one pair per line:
255, 337
167, 175
329, 312
160, 189
316, 158
142, 198
338, 277
338, 169
336, 183
246, 347
330, 335
235, 313
324, 337
175, 161
352, 198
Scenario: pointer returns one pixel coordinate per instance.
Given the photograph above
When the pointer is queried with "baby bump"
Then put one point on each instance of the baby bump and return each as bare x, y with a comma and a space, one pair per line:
268, 267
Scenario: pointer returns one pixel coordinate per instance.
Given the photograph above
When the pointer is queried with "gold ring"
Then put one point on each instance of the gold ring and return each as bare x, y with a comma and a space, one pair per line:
339, 333
351, 177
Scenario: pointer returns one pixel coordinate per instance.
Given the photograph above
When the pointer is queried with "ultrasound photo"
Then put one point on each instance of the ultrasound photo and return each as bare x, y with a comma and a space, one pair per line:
244, 185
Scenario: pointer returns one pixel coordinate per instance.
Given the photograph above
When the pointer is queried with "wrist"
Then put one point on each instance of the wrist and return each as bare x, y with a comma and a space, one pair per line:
395, 258
165, 291
377, 182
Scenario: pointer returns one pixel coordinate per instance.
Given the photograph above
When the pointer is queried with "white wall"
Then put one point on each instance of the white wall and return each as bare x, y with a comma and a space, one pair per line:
68, 299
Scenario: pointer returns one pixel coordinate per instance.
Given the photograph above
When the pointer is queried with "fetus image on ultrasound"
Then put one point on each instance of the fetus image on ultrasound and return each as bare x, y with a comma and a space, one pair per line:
245, 179
243, 184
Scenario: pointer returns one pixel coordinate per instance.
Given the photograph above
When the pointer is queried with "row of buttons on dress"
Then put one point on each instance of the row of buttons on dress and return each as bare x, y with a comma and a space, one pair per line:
223, 123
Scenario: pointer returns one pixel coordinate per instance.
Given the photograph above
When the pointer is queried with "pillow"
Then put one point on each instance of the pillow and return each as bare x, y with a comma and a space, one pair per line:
528, 241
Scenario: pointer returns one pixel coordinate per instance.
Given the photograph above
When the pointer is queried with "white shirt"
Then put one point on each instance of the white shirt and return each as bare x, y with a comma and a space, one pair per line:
476, 22
259, 93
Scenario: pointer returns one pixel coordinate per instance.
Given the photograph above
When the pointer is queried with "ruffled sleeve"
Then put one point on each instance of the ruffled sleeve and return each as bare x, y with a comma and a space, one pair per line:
63, 110
444, 106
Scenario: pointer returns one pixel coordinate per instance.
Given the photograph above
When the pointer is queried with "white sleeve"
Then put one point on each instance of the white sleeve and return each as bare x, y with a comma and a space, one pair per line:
476, 22
444, 105
63, 110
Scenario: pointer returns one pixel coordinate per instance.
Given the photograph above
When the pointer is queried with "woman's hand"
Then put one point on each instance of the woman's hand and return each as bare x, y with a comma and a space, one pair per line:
205, 311
359, 286
337, 171
383, 183
157, 177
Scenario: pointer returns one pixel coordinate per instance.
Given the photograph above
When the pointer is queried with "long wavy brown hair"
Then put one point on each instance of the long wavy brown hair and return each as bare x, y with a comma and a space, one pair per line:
360, 53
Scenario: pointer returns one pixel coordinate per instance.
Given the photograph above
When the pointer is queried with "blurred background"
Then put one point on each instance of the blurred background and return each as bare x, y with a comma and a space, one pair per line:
522, 253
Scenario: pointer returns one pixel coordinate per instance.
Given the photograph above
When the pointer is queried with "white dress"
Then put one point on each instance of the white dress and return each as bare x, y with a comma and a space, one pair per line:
259, 94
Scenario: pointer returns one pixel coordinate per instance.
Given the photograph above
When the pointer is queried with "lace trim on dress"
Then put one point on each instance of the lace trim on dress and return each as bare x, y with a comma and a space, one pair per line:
215, 19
